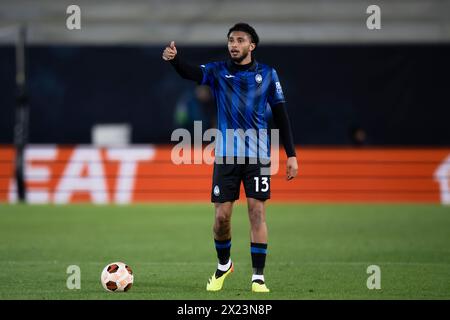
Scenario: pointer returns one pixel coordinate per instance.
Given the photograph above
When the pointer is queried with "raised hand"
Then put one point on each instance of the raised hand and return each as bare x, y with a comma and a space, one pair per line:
170, 51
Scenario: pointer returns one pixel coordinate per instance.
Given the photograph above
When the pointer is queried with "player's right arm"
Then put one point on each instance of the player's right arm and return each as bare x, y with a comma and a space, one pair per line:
184, 69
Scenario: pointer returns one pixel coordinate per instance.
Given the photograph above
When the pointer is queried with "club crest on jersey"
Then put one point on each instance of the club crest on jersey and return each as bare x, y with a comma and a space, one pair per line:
216, 191
258, 78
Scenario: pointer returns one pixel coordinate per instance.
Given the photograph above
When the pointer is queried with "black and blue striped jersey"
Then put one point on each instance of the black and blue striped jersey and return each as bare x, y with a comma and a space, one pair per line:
242, 97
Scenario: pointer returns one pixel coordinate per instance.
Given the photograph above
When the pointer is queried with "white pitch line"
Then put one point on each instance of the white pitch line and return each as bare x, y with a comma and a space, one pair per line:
240, 263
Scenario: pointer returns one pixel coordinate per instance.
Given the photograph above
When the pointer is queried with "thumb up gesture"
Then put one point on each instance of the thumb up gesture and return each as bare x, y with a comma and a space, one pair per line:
170, 51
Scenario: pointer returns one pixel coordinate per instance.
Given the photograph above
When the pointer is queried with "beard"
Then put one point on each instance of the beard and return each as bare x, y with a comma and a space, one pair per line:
240, 58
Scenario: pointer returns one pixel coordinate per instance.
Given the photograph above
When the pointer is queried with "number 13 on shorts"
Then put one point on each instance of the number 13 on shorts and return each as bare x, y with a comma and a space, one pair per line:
261, 184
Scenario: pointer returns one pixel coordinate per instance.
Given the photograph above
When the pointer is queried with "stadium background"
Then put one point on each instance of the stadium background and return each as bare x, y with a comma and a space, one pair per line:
369, 110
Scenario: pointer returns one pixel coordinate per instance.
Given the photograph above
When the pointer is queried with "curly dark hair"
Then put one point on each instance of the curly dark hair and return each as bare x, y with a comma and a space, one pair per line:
245, 27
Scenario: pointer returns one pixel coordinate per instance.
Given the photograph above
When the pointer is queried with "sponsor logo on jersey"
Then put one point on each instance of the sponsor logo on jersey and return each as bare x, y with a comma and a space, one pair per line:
278, 87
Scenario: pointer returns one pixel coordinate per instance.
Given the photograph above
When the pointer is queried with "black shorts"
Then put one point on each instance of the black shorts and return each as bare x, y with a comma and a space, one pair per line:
227, 179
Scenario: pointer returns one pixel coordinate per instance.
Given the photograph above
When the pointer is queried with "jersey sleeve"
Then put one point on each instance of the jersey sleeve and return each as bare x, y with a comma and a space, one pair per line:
208, 73
275, 91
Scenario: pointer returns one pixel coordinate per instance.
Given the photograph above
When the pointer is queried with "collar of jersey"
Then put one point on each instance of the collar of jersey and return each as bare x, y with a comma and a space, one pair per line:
234, 69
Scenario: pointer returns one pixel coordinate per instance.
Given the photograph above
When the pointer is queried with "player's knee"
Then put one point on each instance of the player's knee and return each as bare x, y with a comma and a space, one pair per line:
222, 218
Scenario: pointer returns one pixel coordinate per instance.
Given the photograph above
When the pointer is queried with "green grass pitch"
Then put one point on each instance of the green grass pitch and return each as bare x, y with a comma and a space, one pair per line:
315, 251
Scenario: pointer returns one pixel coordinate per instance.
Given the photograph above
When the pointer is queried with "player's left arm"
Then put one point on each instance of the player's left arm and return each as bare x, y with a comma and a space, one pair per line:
281, 119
